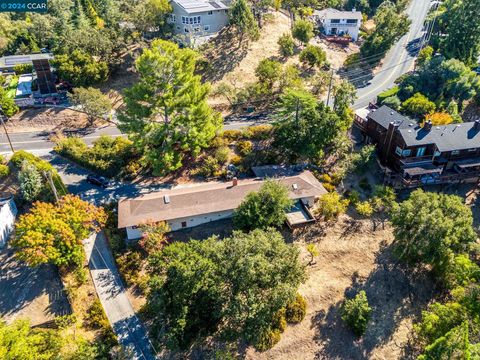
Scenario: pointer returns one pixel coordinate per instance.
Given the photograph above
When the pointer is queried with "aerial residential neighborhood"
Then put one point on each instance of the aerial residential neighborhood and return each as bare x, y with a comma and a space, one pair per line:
239, 179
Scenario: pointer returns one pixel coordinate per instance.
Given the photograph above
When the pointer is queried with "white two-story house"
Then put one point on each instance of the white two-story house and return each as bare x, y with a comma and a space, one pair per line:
193, 20
336, 22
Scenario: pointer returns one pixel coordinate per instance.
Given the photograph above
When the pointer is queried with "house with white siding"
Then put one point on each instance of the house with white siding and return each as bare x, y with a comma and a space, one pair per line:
334, 22
196, 205
197, 20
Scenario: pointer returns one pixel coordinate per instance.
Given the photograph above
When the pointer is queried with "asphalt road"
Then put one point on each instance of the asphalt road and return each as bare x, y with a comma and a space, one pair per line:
75, 178
399, 59
120, 313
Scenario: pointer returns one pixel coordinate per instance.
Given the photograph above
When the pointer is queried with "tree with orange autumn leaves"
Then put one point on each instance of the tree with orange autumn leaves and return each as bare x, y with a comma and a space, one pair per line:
53, 233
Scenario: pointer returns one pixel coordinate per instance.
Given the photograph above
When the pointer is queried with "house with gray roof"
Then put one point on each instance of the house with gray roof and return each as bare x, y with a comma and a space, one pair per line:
195, 21
428, 154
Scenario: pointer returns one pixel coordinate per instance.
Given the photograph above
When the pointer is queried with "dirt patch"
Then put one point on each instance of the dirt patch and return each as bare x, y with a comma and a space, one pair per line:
50, 119
36, 294
352, 258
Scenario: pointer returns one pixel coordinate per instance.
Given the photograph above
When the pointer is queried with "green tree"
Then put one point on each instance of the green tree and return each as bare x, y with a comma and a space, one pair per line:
80, 68
166, 114
7, 103
268, 72
287, 45
92, 102
30, 181
313, 56
462, 40
344, 96
54, 233
241, 17
302, 31
20, 341
424, 56
151, 14
263, 208
312, 251
419, 105
305, 127
431, 228
390, 25
154, 236
356, 313
331, 205
197, 286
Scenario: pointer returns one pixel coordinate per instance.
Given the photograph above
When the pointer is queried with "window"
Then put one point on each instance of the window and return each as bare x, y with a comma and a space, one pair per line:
455, 152
335, 21
210, 12
407, 152
178, 27
184, 20
206, 28
172, 18
437, 153
472, 150
184, 224
398, 151
352, 21
421, 151
196, 29
186, 30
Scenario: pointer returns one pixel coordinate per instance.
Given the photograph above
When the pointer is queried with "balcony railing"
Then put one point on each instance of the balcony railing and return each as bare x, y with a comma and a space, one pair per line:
416, 160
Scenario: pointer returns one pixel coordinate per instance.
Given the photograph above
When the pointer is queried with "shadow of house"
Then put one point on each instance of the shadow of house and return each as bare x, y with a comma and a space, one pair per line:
393, 296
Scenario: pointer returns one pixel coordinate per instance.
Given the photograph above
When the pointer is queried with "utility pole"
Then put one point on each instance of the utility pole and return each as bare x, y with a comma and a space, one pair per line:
2, 114
48, 175
330, 87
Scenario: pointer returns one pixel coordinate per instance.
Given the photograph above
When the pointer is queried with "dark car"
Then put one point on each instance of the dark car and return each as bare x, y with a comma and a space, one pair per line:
98, 180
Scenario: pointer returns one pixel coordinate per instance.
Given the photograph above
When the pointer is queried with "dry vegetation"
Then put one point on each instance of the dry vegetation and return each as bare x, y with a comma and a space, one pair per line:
352, 258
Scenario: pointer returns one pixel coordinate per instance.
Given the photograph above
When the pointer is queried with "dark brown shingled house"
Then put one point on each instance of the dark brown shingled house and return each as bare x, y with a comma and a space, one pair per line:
423, 155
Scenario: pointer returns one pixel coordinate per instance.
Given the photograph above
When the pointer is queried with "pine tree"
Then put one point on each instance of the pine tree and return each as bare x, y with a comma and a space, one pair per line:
166, 114
242, 18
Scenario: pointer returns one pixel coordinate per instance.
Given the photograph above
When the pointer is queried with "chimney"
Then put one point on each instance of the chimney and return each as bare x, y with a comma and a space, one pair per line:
354, 10
476, 125
234, 181
427, 125
387, 143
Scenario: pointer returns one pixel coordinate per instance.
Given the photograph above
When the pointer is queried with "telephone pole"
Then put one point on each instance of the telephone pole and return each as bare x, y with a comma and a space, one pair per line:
2, 114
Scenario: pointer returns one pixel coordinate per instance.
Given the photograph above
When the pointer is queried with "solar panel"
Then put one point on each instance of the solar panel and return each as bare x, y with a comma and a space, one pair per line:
17, 60
215, 5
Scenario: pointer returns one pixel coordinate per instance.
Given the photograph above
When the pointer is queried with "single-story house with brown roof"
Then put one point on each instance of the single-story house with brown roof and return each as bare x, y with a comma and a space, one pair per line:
192, 206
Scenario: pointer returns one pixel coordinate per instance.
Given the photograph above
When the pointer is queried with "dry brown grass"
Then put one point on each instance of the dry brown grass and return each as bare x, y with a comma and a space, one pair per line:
352, 258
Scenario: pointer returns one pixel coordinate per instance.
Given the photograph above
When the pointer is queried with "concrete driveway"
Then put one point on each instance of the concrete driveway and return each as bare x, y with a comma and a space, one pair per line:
126, 325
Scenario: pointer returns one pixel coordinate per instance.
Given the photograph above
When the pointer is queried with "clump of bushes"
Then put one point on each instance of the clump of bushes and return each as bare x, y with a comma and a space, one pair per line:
22, 158
296, 310
108, 156
97, 319
356, 313
245, 147
268, 339
331, 205
4, 169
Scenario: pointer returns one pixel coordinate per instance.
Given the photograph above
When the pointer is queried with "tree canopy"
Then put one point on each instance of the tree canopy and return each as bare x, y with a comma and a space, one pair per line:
264, 208
166, 114
241, 17
234, 286
53, 233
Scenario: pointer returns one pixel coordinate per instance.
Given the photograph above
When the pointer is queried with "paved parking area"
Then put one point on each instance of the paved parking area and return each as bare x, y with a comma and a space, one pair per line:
30, 293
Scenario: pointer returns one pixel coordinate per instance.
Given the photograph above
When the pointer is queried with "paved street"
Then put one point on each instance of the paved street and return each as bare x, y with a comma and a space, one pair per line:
74, 177
120, 313
399, 59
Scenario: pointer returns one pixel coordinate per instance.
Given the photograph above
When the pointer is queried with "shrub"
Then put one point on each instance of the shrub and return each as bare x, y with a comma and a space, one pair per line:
296, 310
393, 102
364, 208
23, 69
129, 265
96, 318
325, 178
268, 71
209, 167
419, 105
279, 321
331, 205
313, 56
4, 171
356, 313
232, 135
387, 93
353, 197
259, 132
267, 340
287, 45
302, 30
245, 147
30, 180
440, 118
236, 160
222, 154
329, 187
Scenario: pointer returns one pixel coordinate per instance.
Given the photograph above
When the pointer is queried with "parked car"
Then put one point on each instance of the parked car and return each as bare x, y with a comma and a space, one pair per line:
98, 180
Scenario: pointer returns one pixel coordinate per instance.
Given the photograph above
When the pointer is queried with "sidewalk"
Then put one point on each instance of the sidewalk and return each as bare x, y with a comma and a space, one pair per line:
126, 325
